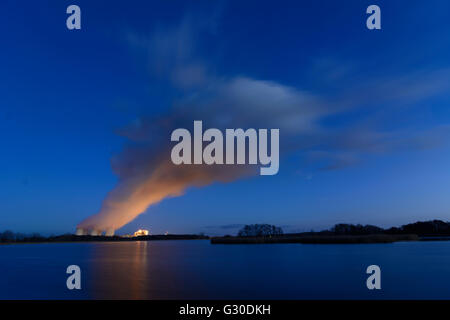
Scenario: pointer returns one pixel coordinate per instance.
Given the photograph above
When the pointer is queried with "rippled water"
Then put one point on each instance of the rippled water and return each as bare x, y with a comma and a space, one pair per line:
195, 269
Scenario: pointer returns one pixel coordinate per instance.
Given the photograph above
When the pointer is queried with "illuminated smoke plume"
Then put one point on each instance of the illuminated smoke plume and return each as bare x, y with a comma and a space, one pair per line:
144, 168
146, 174
135, 193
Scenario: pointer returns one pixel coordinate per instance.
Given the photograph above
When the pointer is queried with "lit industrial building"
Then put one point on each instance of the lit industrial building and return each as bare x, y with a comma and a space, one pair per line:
141, 232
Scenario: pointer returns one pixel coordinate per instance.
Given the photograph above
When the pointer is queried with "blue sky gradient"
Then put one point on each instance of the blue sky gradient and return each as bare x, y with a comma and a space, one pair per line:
378, 152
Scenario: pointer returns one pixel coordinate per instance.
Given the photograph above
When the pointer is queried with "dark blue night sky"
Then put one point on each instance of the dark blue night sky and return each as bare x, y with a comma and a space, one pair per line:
374, 147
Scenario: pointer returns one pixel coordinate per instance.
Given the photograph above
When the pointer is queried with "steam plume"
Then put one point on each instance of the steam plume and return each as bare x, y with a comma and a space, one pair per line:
134, 194
145, 171
147, 175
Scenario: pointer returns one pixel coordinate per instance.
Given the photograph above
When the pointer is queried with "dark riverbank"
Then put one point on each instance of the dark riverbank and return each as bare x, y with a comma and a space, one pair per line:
317, 239
74, 238
434, 230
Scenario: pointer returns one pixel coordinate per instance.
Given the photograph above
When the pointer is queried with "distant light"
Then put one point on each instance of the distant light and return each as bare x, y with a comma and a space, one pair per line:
141, 232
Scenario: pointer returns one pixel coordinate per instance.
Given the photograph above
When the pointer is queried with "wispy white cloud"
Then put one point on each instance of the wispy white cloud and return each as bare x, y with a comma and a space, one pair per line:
242, 101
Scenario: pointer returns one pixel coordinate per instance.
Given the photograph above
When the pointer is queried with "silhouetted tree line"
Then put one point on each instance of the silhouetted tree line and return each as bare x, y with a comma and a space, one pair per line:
351, 229
260, 230
9, 236
421, 228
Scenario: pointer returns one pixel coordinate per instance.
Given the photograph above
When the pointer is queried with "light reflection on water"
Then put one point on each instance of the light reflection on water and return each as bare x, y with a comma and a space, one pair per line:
195, 269
121, 265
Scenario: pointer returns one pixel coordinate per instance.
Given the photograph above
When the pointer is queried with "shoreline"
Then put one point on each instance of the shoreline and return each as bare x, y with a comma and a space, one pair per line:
75, 238
286, 239
319, 239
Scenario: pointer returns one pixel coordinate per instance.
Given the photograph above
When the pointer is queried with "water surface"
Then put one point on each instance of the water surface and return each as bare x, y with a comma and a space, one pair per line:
195, 269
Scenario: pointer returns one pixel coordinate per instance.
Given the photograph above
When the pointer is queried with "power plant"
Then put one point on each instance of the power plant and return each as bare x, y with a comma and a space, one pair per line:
94, 232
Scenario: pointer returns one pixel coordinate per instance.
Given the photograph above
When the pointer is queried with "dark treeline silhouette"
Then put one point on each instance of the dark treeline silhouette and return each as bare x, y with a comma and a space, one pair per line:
351, 229
260, 230
426, 230
423, 228
9, 236
420, 228
341, 234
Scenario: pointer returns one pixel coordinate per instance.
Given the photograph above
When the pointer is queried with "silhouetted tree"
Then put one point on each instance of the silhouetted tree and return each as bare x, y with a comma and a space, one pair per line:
7, 236
351, 229
259, 230
434, 227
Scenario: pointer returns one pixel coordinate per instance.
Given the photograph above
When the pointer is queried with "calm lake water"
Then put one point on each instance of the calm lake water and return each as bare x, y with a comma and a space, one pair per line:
195, 269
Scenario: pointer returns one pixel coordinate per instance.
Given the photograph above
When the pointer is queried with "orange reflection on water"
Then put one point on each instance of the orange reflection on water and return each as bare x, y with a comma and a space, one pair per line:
120, 270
